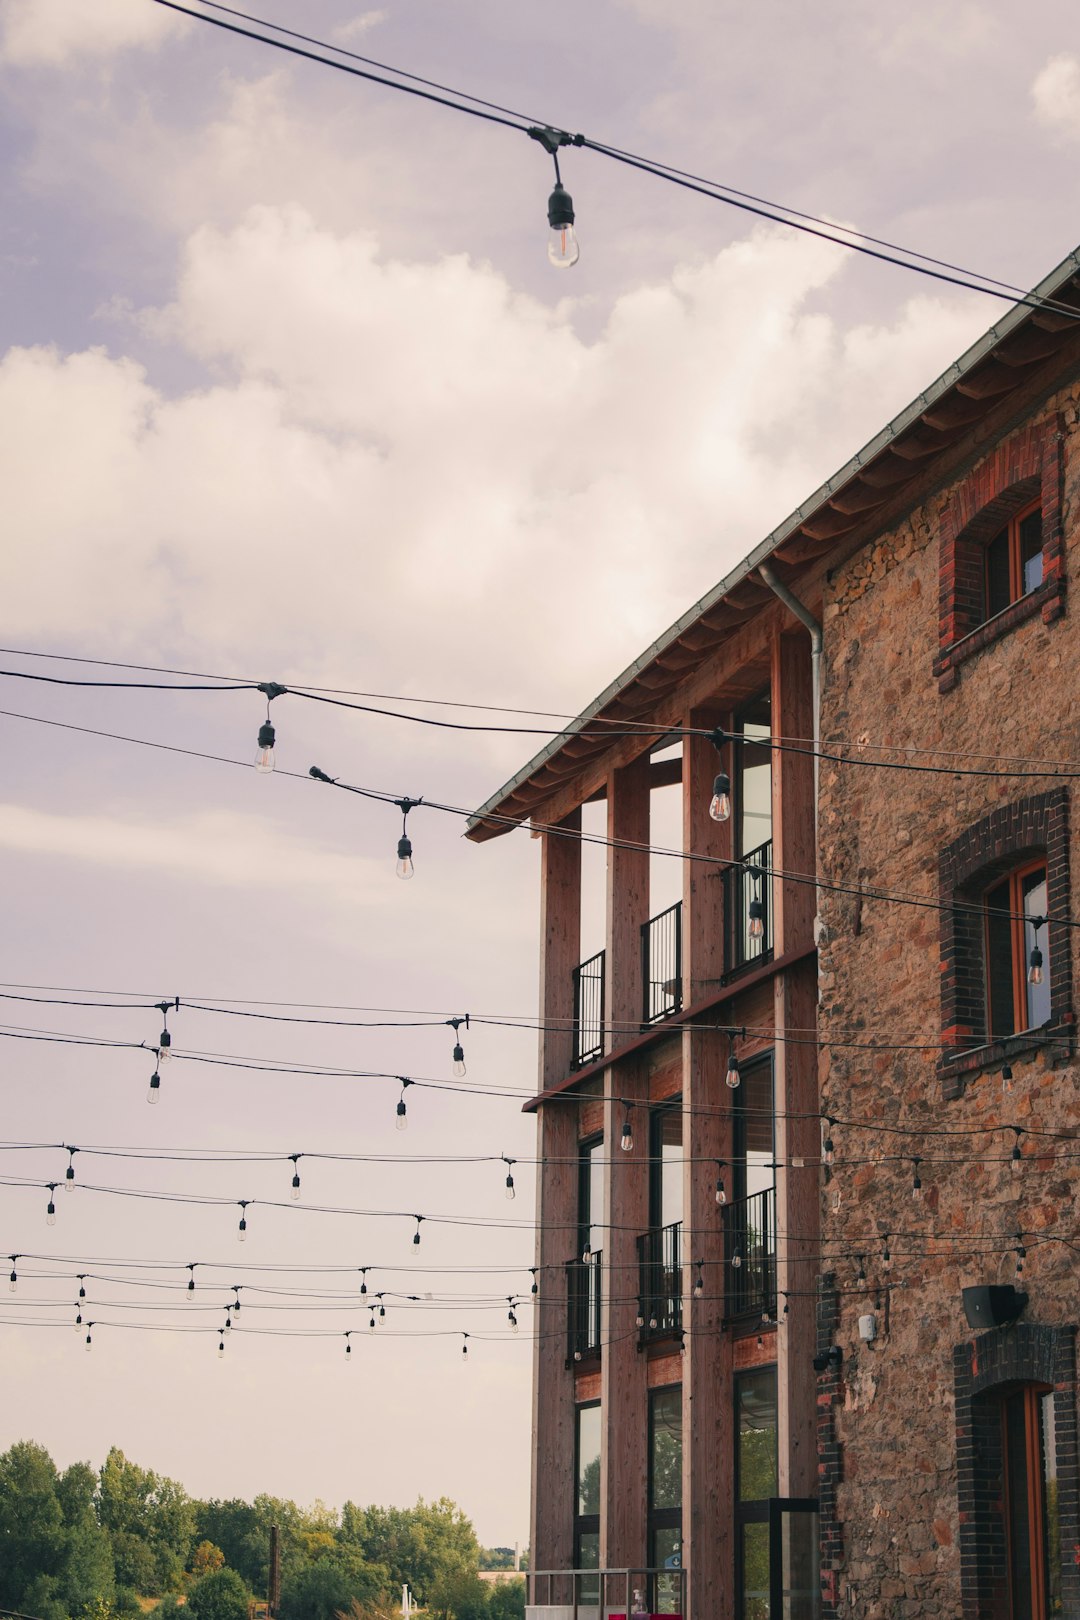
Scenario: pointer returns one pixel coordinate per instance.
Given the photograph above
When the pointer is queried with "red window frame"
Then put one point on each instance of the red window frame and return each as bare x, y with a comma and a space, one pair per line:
1034, 1507
1011, 530
1017, 944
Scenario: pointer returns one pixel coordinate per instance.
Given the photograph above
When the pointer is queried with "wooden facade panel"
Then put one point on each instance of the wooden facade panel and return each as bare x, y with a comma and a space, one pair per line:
627, 896
560, 945
553, 1409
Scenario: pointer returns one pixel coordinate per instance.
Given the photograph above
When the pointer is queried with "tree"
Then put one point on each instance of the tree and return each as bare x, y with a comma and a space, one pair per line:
506, 1601
221, 1595
416, 1545
54, 1559
331, 1585
206, 1559
137, 1502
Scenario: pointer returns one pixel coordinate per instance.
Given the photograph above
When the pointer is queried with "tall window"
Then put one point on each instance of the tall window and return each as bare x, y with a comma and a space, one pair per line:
756, 1480
666, 1165
587, 1505
591, 1198
1029, 1490
665, 1494
1017, 994
753, 775
1013, 560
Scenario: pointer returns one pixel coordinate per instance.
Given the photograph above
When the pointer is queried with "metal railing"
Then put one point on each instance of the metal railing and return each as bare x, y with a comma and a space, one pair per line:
583, 1298
661, 965
660, 1281
750, 880
750, 1256
588, 979
575, 1594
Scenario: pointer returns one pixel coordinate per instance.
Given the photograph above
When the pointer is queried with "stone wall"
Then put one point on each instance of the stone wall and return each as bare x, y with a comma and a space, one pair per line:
888, 1419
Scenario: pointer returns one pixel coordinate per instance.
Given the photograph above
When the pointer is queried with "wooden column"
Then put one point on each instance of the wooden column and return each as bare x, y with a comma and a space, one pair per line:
794, 850
798, 1223
623, 1368
797, 1195
708, 1442
560, 947
553, 1505
627, 898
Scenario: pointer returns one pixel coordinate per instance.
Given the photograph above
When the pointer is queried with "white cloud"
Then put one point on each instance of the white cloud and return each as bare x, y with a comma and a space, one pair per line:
53, 33
1056, 94
356, 27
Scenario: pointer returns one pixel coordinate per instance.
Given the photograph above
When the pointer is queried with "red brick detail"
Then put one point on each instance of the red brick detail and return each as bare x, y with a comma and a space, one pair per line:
1027, 466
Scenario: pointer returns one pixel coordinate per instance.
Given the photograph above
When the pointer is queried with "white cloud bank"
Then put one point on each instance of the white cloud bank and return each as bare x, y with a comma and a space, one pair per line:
53, 33
1056, 94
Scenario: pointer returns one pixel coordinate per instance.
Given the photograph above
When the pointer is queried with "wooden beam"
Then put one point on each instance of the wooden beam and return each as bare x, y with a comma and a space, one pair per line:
554, 1415
792, 792
560, 946
627, 897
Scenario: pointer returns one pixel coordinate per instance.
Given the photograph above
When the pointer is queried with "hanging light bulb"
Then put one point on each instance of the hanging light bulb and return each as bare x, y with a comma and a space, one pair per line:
1017, 1159
371, 1323
348, 1347
535, 1289
13, 1280
50, 1212
734, 1073
153, 1093
916, 1179
78, 1319
720, 803
699, 1280
756, 915
294, 1192
382, 1310
721, 1190
563, 247
586, 1253
626, 1141
465, 1346
654, 1321
886, 1257
416, 1234
190, 1289
264, 757
510, 1316
1006, 1077
235, 1307
89, 1340
363, 1279
221, 1346
510, 1190
828, 1150
1035, 966
241, 1230
69, 1173
401, 1123
458, 1055
163, 1051
736, 1258
82, 1280
404, 868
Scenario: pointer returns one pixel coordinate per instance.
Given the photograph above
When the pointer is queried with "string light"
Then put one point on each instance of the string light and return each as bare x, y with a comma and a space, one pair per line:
510, 1193
1016, 1158
626, 1141
13, 1280
734, 1073
264, 758
190, 1289
916, 1179
236, 1287
416, 1234
535, 1289
294, 1192
78, 1318
510, 1316
81, 1279
371, 1323
736, 1257
89, 1340
401, 1123
828, 1149
50, 1213
699, 1280
563, 247
164, 1046
221, 1340
458, 1054
1035, 960
465, 1346
348, 1348
404, 868
755, 911
363, 1279
1006, 1077
153, 1093
639, 1320
241, 1230
721, 1190
69, 1173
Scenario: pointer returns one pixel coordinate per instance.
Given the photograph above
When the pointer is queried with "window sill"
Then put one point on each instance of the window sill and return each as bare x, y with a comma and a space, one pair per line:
1048, 599
958, 1068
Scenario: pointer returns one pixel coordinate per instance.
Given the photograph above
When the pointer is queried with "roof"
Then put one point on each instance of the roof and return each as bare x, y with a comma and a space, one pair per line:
995, 367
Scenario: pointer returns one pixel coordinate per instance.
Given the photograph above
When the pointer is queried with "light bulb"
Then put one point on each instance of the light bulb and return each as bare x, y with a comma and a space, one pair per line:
78, 1321
1006, 1077
736, 1259
348, 1351
164, 1049
404, 868
50, 1214
371, 1325
264, 758
627, 1140
586, 1255
13, 1282
1035, 969
153, 1094
295, 1192
734, 1073
653, 1323
721, 1193
639, 1320
1017, 1159
828, 1151
510, 1189
89, 1341
720, 804
756, 925
459, 1062
69, 1178
221, 1349
916, 1186
241, 1231
402, 1121
512, 1319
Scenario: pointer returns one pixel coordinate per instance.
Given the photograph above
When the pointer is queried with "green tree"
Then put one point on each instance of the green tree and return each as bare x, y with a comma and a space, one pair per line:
457, 1593
54, 1560
329, 1586
89, 1576
137, 1502
221, 1595
506, 1601
416, 1545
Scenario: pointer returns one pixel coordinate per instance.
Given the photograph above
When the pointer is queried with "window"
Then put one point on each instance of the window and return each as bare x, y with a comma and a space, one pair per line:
587, 1501
660, 1248
583, 1272
750, 1217
1017, 993
748, 888
666, 1165
665, 1494
1029, 1481
1013, 560
591, 1197
756, 1480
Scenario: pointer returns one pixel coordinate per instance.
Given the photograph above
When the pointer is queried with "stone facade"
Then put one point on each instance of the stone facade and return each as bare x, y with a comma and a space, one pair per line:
898, 1526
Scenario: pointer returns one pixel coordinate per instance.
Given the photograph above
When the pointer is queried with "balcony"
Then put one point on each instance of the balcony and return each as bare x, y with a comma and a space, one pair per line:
589, 1010
661, 965
660, 1282
749, 881
750, 1257
583, 1308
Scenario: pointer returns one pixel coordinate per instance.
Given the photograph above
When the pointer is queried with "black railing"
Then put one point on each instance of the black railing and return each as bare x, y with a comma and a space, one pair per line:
744, 884
750, 1256
661, 964
583, 1307
589, 1010
660, 1281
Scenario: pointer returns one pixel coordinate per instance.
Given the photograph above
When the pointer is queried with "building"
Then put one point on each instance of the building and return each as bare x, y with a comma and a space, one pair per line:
775, 1139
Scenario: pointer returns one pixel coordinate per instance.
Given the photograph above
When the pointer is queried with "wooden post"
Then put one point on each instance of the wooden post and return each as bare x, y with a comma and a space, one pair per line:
553, 1505
627, 898
708, 1441
794, 848
624, 1367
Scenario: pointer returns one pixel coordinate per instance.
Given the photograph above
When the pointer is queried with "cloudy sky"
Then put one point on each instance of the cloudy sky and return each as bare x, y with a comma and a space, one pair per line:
289, 392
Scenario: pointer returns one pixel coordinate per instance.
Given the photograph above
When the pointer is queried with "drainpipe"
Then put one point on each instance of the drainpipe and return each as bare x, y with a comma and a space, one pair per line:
804, 615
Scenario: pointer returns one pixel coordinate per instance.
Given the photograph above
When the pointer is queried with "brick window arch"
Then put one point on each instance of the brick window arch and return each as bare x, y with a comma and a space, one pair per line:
983, 876
984, 516
1016, 1455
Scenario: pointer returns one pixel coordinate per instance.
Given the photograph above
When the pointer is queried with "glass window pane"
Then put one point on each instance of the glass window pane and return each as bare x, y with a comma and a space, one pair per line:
1050, 1504
998, 590
756, 1435
1000, 1005
1038, 995
1017, 1488
588, 1455
667, 1166
754, 1131
801, 1581
591, 1198
1031, 561
754, 790
667, 1555
755, 1571
665, 1462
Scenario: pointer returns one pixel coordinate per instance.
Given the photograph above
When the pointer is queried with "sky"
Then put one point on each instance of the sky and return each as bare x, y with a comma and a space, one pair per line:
289, 392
